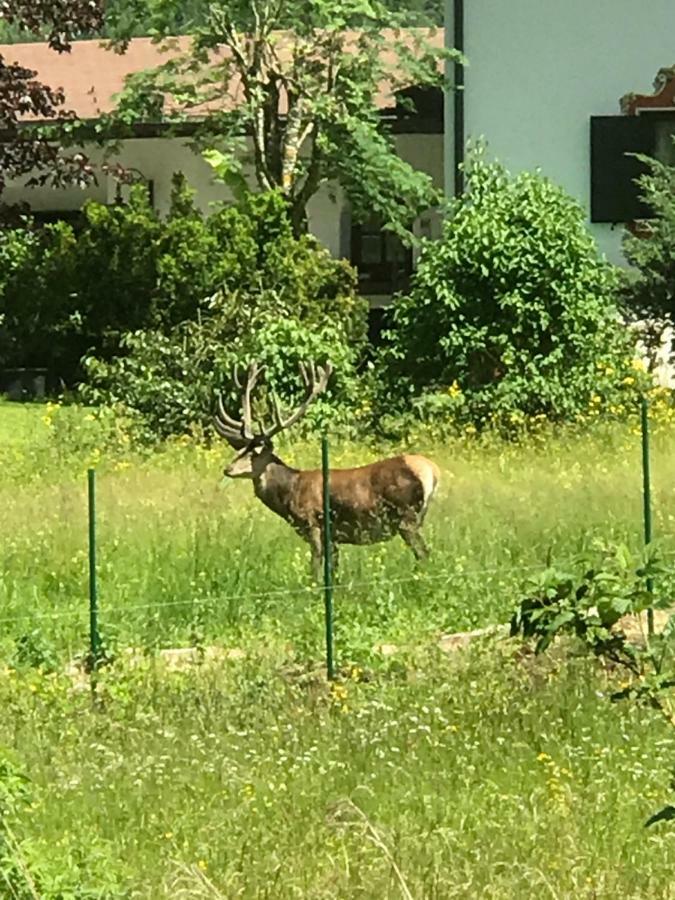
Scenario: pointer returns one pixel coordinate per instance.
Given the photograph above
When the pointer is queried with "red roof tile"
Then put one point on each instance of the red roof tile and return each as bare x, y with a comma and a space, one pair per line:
90, 75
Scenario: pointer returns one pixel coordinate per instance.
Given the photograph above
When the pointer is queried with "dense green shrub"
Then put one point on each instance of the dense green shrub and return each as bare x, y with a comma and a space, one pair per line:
648, 288
64, 293
512, 313
156, 312
282, 300
37, 314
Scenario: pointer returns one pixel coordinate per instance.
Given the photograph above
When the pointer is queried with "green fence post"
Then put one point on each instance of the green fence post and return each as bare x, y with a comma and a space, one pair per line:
327, 559
647, 498
94, 637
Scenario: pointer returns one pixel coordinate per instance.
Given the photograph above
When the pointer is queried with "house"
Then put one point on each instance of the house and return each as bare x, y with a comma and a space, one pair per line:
565, 87
91, 76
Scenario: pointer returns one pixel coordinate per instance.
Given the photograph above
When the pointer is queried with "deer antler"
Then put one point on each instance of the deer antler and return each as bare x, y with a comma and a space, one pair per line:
238, 432
314, 386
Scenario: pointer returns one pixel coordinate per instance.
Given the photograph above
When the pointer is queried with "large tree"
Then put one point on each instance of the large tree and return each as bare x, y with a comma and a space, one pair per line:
23, 150
298, 80
134, 18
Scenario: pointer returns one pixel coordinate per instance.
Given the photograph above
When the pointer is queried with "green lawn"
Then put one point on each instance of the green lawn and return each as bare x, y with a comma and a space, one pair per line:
21, 423
483, 773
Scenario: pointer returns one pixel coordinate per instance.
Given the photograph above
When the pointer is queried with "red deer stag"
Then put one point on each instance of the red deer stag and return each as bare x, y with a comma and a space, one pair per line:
369, 504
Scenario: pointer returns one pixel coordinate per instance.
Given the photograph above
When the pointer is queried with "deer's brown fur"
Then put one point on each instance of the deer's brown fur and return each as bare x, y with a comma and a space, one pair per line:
369, 503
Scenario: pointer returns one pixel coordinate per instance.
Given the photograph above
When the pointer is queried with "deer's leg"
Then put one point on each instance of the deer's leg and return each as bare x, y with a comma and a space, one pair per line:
409, 531
316, 547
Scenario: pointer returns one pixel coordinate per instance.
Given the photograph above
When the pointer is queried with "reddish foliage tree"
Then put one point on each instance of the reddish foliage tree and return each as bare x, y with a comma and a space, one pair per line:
24, 149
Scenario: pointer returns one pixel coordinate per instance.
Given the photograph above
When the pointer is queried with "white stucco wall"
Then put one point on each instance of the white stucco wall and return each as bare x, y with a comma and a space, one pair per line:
539, 69
158, 158
48, 198
155, 158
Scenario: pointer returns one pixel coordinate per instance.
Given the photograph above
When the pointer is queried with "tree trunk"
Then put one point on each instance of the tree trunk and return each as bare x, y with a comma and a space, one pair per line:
297, 212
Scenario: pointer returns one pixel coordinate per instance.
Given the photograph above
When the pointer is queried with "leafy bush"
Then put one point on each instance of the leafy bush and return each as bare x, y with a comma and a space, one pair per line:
282, 300
648, 288
65, 293
594, 608
512, 314
35, 306
590, 605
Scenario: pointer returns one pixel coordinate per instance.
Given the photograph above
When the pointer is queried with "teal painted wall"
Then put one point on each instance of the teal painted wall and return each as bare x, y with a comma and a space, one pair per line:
538, 70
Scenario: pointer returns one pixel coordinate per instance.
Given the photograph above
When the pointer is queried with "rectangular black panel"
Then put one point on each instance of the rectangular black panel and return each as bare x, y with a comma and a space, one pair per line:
614, 192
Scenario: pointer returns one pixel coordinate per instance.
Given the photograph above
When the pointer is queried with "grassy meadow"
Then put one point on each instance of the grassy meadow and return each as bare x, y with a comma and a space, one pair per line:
419, 774
185, 555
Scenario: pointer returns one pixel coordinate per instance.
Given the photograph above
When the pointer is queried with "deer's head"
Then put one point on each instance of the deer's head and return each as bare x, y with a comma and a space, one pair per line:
255, 446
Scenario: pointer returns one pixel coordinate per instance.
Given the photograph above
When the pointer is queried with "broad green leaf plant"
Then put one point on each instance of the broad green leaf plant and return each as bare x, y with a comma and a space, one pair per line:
512, 317
594, 607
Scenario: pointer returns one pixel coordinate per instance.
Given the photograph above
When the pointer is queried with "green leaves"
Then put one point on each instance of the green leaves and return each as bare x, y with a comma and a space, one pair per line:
228, 168
376, 180
667, 814
648, 288
589, 606
592, 607
273, 297
516, 307
306, 77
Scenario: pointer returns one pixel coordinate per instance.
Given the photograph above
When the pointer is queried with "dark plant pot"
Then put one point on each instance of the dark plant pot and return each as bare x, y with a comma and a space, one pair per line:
23, 384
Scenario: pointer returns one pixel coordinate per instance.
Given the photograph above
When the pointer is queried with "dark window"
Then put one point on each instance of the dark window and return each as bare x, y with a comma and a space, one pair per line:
383, 262
614, 192
149, 184
379, 321
73, 217
665, 145
417, 110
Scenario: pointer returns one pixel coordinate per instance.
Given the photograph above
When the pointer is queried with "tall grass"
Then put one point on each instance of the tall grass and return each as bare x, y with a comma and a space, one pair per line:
186, 555
483, 774
480, 775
